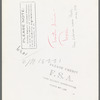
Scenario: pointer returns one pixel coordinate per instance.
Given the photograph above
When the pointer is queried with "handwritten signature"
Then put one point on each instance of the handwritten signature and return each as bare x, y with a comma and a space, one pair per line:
62, 36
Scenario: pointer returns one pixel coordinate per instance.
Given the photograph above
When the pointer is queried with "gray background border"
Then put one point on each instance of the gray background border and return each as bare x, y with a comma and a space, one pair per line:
0, 49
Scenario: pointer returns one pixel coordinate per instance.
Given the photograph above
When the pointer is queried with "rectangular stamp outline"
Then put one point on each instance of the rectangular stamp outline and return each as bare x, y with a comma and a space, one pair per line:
35, 23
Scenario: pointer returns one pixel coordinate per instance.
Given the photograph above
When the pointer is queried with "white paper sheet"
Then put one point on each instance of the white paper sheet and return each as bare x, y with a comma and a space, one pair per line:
50, 50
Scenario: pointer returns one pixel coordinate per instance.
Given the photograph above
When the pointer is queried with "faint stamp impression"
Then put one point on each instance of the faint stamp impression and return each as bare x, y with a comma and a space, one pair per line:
28, 25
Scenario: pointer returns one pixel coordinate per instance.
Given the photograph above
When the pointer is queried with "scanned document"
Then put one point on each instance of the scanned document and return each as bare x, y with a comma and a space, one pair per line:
50, 50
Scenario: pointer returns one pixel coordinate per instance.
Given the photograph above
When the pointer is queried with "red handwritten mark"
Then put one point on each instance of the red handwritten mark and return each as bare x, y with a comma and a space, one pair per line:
53, 36
54, 40
59, 38
50, 43
66, 37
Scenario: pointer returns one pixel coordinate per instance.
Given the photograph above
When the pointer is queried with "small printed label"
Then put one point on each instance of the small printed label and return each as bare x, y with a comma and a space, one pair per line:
28, 25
